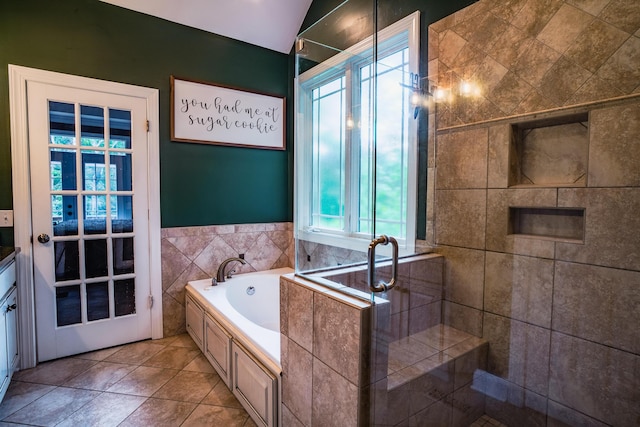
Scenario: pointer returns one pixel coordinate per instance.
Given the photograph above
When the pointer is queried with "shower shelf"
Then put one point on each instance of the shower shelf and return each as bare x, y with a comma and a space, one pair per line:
548, 223
551, 152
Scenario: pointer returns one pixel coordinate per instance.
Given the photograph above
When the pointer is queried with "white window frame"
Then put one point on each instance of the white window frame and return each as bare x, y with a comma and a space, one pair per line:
341, 64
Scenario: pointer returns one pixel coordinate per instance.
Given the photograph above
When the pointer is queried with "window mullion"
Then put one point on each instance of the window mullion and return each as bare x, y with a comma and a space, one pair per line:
350, 152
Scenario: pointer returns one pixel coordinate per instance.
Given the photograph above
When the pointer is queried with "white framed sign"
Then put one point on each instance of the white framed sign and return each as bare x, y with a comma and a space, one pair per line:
213, 114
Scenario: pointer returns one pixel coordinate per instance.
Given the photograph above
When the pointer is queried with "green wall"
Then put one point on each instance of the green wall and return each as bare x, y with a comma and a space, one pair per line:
200, 184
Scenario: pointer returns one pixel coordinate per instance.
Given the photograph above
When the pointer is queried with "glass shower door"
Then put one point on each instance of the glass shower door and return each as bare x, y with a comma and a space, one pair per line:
356, 136
356, 158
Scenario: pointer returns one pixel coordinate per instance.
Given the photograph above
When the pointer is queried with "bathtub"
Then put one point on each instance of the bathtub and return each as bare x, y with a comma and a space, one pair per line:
248, 306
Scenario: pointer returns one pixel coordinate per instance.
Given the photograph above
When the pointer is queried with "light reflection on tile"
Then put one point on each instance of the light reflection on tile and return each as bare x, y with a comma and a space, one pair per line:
192, 396
53, 407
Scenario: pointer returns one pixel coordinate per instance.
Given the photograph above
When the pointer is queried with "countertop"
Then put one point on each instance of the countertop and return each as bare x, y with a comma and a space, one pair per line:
7, 254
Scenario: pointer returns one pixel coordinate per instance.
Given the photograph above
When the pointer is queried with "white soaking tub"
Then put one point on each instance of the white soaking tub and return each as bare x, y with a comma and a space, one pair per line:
236, 324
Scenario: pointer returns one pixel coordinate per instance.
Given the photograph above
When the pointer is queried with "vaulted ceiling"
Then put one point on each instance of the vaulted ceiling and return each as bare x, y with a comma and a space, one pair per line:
272, 24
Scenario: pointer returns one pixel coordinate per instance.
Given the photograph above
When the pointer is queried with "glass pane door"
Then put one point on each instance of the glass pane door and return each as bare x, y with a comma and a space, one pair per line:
91, 212
89, 191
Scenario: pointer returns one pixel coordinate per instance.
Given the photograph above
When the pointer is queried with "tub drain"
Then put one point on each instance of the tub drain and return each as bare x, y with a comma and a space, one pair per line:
251, 290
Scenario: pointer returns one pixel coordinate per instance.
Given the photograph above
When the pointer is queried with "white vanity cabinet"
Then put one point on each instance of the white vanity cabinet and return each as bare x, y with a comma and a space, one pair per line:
195, 321
8, 326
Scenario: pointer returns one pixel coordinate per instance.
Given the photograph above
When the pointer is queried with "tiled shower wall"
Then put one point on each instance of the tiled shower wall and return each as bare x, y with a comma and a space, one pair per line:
193, 253
561, 317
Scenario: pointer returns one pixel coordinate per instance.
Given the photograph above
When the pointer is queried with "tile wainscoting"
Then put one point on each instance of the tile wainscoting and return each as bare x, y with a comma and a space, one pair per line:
193, 253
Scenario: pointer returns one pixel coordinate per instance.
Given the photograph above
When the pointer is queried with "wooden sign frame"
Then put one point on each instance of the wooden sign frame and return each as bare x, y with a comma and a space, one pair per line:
208, 113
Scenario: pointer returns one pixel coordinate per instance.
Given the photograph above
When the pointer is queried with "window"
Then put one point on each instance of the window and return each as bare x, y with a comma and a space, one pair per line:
95, 180
347, 164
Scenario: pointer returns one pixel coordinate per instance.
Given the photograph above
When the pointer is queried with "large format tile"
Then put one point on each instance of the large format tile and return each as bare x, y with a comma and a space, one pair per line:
561, 416
108, 409
518, 352
173, 263
53, 407
514, 405
621, 69
564, 28
611, 224
173, 313
408, 351
135, 353
297, 380
614, 149
188, 387
144, 381
598, 304
464, 275
335, 399
462, 160
439, 413
157, 412
98, 355
288, 419
462, 317
216, 416
436, 381
597, 380
623, 14
220, 395
441, 337
100, 376
461, 218
20, 394
519, 287
337, 339
56, 372
172, 357
200, 364
80, 402
468, 404
300, 315
596, 44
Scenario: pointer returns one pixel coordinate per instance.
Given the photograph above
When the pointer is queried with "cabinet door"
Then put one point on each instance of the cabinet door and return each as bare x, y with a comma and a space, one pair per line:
12, 331
4, 356
195, 321
218, 348
255, 387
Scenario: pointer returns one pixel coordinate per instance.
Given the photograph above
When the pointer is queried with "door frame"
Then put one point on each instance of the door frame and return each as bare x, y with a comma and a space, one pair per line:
19, 76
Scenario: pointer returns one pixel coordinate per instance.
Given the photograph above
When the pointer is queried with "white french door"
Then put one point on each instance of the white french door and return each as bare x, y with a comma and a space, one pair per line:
88, 173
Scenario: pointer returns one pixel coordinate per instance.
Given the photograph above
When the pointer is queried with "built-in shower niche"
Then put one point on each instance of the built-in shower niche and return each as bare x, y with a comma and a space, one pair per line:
561, 224
550, 152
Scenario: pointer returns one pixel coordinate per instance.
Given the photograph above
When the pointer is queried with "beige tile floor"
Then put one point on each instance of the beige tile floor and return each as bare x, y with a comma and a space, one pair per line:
164, 382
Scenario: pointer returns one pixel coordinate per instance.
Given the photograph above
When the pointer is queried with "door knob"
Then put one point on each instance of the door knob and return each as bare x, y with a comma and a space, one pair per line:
43, 238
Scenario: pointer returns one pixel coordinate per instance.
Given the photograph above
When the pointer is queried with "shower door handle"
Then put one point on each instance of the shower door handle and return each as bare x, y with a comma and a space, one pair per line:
382, 286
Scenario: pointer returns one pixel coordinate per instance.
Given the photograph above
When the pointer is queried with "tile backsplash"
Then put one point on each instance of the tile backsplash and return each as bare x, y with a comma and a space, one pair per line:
193, 253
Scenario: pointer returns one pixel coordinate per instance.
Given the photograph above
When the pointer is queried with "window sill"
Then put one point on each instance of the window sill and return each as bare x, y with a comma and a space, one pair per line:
353, 243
